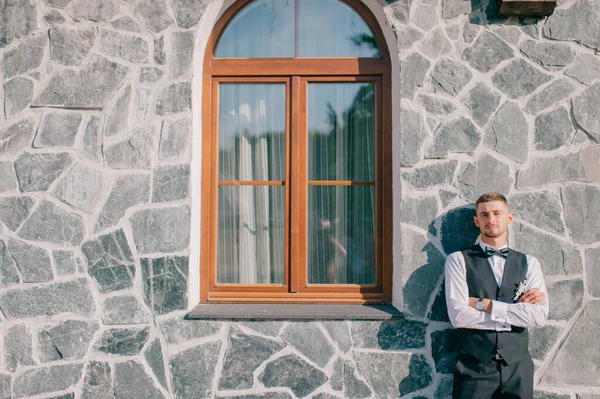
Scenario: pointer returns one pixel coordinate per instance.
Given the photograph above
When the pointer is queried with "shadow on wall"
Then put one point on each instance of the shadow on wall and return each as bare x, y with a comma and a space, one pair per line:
456, 231
483, 12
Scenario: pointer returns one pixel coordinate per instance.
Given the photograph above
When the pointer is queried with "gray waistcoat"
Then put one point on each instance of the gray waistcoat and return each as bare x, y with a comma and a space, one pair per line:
484, 344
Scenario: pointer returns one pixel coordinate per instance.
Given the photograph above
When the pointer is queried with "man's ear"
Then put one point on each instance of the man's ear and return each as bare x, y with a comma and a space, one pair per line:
510, 217
476, 220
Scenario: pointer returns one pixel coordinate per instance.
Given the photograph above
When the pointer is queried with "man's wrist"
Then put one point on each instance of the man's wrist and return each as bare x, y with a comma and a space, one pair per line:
487, 305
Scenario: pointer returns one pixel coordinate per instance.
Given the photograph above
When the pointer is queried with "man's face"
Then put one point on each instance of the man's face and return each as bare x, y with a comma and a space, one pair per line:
493, 218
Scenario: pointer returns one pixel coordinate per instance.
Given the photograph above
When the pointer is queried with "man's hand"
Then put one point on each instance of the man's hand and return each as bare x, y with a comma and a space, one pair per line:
532, 296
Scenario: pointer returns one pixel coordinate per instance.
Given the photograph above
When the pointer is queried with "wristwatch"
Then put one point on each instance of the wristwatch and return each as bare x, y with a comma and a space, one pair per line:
479, 305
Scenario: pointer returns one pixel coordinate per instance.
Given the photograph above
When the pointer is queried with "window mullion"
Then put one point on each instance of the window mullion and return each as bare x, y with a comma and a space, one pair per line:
295, 188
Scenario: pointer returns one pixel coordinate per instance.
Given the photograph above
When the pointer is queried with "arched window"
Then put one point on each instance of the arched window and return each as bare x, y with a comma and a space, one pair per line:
296, 163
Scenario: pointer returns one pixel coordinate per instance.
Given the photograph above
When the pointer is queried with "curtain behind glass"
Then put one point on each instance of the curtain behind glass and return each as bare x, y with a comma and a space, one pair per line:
341, 148
251, 217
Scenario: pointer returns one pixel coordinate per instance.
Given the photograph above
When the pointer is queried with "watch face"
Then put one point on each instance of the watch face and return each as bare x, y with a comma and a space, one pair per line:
479, 305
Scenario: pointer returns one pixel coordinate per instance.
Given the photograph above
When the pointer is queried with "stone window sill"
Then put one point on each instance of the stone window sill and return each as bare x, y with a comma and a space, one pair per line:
278, 311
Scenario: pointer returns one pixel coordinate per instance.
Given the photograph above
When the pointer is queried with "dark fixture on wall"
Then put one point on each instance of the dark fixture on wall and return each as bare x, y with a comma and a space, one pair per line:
525, 8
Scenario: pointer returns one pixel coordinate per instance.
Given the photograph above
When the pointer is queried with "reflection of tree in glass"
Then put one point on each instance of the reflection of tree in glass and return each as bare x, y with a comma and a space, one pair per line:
364, 39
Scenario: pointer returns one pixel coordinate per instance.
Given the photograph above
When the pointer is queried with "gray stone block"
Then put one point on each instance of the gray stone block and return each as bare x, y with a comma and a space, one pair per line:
276, 395
8, 268
419, 211
193, 370
270, 328
344, 379
548, 170
97, 382
487, 52
132, 382
388, 335
170, 183
482, 102
128, 47
412, 134
14, 211
540, 208
590, 159
451, 76
136, 152
70, 46
401, 10
154, 14
174, 139
182, 53
436, 105
548, 54
123, 341
18, 349
570, 293
17, 136
423, 267
54, 17
58, 129
72, 297
82, 187
129, 191
447, 197
431, 175
150, 74
294, 373
407, 36
188, 12
458, 230
25, 57
474, 179
245, 353
585, 69
519, 78
53, 224
392, 375
425, 17
592, 260
174, 99
458, 135
310, 341
110, 261
117, 119
553, 130
47, 379
439, 310
586, 112
5, 383
510, 34
33, 262
549, 95
91, 87
65, 262
508, 132
165, 283
582, 203
443, 350
92, 140
577, 361
8, 180
17, 20
436, 44
549, 395
339, 331
159, 50
124, 309
154, 357
454, 8
162, 229
67, 341
178, 330
566, 24
18, 93
542, 339
93, 10
126, 23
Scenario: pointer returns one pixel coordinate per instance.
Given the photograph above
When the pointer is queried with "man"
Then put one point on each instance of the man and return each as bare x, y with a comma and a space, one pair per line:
493, 294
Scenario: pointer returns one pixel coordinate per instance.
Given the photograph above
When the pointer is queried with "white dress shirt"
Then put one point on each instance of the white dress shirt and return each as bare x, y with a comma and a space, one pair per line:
504, 315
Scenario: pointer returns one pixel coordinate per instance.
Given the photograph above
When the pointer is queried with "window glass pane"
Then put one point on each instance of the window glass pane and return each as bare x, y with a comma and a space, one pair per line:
250, 241
252, 131
262, 29
341, 235
341, 131
330, 28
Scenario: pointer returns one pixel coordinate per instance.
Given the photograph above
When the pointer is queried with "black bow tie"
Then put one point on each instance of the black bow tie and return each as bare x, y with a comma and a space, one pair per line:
489, 251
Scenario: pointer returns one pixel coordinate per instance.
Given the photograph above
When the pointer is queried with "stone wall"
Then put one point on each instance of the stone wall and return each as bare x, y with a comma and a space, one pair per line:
95, 152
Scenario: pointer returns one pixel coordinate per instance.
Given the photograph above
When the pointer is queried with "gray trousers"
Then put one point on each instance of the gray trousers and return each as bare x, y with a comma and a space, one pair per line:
493, 379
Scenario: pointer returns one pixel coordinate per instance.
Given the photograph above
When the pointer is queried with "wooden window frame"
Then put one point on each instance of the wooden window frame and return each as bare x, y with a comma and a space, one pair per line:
296, 73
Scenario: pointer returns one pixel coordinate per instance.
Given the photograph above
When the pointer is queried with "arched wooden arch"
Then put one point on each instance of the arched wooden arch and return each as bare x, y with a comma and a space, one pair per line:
296, 74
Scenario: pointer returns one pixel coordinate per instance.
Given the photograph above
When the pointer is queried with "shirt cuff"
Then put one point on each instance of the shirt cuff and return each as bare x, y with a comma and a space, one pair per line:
499, 311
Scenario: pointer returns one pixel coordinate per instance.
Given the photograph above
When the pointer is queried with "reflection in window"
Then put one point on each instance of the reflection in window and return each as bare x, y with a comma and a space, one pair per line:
325, 28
